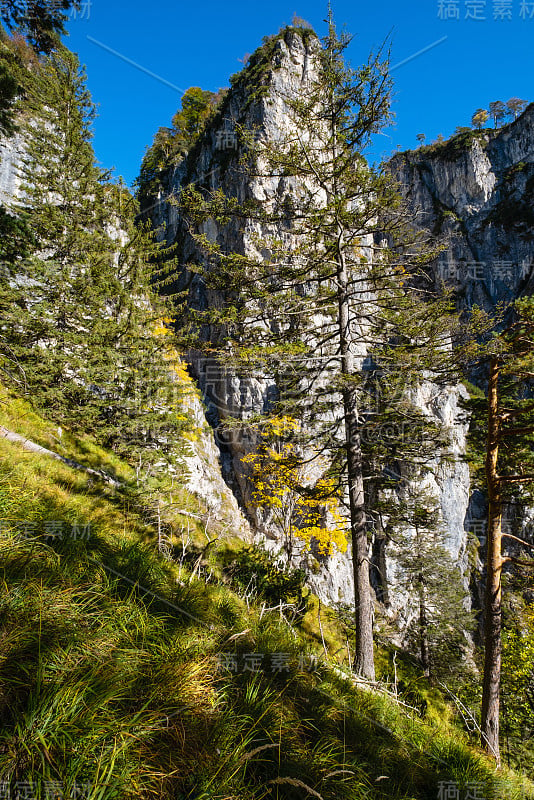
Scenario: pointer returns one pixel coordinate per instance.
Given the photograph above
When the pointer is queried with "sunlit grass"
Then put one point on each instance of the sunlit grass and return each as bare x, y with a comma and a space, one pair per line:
111, 669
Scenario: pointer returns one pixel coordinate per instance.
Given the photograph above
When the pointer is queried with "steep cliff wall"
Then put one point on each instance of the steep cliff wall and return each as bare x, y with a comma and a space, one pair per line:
256, 101
477, 189
11, 155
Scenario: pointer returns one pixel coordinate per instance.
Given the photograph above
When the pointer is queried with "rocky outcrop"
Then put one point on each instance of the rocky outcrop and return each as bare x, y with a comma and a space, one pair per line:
205, 470
11, 155
257, 101
477, 191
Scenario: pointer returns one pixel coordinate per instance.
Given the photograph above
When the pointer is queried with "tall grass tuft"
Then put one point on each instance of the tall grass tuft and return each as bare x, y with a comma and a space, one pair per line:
123, 673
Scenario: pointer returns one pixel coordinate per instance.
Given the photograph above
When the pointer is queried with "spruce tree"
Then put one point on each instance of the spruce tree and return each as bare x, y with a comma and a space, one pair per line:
60, 182
15, 238
141, 371
41, 21
81, 319
9, 85
429, 576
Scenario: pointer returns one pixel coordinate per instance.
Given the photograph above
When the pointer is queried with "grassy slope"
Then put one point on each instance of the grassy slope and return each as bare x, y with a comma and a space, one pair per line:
110, 666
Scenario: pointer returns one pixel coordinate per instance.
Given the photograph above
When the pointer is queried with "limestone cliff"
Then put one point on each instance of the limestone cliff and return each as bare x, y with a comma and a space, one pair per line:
256, 101
477, 189
11, 155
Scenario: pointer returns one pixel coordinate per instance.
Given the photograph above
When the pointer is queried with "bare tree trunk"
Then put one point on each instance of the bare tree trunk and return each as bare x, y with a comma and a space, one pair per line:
492, 597
364, 663
379, 572
423, 636
364, 655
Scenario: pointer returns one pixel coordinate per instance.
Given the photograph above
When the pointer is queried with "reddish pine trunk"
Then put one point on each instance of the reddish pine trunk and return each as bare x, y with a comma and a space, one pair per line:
492, 599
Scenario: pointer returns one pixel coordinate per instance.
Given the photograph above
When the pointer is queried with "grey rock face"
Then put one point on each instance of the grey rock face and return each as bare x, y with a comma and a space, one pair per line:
11, 155
478, 191
214, 164
206, 473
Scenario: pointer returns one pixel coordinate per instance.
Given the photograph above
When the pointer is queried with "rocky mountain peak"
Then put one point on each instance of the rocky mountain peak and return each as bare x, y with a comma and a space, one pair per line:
258, 101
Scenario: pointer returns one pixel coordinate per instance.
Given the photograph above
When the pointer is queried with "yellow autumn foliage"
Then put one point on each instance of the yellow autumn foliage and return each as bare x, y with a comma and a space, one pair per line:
311, 513
163, 328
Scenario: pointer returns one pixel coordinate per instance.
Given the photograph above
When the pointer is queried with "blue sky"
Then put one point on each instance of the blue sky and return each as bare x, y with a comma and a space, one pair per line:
200, 44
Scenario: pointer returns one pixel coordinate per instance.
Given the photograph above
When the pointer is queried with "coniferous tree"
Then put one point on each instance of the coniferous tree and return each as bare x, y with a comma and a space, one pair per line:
503, 427
516, 106
142, 373
9, 88
59, 178
498, 111
341, 273
81, 319
16, 58
429, 576
64, 284
42, 22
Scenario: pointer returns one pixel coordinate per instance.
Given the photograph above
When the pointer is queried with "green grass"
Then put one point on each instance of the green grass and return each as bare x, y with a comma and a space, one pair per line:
111, 667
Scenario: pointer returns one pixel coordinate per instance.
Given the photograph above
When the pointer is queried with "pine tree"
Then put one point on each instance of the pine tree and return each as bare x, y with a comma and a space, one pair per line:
328, 285
140, 375
62, 192
516, 106
504, 420
41, 21
9, 85
498, 111
429, 576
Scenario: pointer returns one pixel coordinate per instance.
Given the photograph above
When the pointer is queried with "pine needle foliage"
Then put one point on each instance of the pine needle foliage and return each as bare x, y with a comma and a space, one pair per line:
82, 326
437, 600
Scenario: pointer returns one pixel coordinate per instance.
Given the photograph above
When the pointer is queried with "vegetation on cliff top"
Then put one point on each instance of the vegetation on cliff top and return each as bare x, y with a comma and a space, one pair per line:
201, 108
